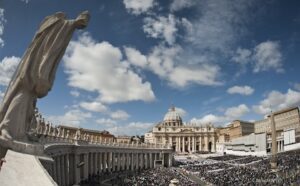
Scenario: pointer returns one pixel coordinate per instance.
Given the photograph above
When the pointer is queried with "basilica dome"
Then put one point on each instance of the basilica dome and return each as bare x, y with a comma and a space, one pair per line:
172, 118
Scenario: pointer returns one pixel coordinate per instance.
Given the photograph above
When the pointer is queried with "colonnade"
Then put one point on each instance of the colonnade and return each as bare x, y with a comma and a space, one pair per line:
73, 166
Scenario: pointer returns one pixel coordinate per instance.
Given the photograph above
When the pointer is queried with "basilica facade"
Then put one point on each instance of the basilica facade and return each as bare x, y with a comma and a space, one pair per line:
184, 138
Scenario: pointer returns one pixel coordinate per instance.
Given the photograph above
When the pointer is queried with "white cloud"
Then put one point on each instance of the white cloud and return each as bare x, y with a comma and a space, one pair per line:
135, 57
119, 115
231, 113
162, 62
243, 90
98, 67
276, 100
2, 22
210, 118
161, 27
297, 86
70, 118
134, 128
267, 56
75, 93
138, 6
219, 25
93, 106
8, 66
242, 56
181, 4
106, 122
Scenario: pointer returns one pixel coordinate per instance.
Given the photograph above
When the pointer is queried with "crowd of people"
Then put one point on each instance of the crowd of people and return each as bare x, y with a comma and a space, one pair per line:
249, 170
221, 170
158, 177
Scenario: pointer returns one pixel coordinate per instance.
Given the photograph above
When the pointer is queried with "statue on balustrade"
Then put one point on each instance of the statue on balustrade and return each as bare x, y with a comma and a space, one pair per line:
35, 74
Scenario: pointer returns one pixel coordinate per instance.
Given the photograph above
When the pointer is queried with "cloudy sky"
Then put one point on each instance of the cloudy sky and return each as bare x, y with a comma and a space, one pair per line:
216, 61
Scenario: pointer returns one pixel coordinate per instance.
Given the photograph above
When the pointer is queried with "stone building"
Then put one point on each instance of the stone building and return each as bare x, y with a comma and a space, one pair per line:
184, 138
240, 128
287, 125
123, 139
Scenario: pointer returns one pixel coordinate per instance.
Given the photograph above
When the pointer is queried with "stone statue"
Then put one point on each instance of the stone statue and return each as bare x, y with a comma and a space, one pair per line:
77, 135
36, 72
63, 133
68, 134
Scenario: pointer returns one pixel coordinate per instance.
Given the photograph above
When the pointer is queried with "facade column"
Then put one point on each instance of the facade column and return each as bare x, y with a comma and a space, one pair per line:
176, 148
194, 144
206, 142
189, 145
200, 143
179, 144
183, 144
213, 143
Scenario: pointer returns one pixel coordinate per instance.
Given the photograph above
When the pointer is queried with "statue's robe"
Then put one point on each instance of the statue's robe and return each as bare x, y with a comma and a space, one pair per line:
35, 75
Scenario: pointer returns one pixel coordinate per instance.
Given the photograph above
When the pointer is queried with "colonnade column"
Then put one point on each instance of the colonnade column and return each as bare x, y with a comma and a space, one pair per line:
86, 166
54, 173
118, 161
77, 169
72, 167
67, 162
132, 162
151, 161
104, 162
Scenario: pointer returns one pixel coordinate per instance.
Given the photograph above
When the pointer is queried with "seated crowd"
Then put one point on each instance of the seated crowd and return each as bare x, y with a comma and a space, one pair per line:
222, 170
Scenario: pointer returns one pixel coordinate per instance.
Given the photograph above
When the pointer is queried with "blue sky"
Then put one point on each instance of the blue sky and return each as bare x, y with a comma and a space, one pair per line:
216, 61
